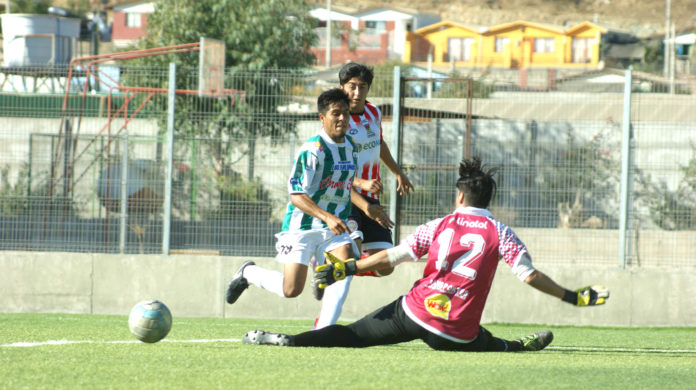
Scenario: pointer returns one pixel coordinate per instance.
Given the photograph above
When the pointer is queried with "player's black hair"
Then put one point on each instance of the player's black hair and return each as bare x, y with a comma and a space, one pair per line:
329, 97
476, 182
353, 69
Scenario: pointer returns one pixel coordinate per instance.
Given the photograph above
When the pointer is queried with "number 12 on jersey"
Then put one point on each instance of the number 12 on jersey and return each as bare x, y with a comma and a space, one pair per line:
472, 243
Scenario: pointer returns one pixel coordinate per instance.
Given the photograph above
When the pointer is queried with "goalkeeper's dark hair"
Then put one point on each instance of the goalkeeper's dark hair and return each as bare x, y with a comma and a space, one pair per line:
476, 182
329, 97
353, 69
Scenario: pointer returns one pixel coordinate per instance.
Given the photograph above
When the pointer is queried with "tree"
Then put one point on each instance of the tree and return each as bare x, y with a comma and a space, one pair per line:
267, 43
671, 209
30, 6
260, 34
578, 174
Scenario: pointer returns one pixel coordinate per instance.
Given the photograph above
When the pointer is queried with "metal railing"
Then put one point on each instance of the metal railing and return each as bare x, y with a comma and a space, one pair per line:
564, 184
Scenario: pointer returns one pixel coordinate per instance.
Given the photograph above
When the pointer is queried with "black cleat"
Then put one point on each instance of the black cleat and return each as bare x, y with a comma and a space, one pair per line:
261, 337
237, 284
536, 341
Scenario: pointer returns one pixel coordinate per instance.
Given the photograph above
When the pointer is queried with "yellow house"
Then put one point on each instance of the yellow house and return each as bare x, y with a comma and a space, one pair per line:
518, 44
583, 48
447, 42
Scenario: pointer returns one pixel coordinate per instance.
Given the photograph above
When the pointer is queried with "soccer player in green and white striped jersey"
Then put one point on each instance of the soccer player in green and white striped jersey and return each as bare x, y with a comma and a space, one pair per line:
321, 193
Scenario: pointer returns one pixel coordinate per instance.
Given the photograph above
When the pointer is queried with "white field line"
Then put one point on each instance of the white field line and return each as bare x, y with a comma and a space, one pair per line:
24, 344
67, 342
618, 349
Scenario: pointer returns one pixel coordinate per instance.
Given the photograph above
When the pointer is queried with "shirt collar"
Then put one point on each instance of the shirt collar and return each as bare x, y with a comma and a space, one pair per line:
474, 211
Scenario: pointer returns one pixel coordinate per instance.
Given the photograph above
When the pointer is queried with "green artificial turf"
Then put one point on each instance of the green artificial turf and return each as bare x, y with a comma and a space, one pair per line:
97, 351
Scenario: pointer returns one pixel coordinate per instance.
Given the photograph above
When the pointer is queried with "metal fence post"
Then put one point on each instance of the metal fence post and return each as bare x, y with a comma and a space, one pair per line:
396, 150
124, 192
625, 167
167, 211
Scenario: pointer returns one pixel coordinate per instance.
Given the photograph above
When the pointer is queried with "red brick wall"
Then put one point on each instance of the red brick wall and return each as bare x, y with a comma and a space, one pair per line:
342, 54
120, 31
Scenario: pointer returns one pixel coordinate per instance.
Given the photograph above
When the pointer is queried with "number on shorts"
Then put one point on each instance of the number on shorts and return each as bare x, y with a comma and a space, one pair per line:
284, 249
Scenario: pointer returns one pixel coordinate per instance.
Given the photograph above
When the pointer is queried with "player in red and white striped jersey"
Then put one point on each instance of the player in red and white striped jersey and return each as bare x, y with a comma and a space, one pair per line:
444, 307
365, 128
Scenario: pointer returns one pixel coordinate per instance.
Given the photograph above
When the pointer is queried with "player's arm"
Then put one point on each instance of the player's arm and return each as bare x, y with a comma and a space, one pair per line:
585, 296
303, 202
404, 185
515, 254
543, 283
370, 185
336, 269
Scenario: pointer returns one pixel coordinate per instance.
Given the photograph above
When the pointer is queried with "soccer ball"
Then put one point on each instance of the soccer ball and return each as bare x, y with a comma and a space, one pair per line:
150, 321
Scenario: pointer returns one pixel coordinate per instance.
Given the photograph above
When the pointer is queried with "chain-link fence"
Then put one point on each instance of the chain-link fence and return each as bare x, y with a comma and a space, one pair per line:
89, 172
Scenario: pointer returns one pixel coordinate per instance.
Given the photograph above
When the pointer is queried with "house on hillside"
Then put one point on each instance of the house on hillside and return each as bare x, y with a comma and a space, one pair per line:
519, 44
370, 35
446, 42
129, 21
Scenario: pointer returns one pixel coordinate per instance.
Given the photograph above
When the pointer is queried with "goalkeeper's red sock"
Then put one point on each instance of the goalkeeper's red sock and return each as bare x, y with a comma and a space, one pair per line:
367, 273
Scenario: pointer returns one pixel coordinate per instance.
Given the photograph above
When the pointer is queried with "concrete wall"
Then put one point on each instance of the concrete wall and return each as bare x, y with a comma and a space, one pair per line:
194, 286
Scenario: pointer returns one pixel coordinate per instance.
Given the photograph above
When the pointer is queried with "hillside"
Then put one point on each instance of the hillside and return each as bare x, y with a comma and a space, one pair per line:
641, 17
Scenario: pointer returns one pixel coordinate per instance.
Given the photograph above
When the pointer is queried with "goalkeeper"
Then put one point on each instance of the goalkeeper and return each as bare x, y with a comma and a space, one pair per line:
444, 307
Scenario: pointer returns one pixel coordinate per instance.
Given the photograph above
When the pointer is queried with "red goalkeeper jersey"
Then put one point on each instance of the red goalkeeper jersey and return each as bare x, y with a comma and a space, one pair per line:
462, 250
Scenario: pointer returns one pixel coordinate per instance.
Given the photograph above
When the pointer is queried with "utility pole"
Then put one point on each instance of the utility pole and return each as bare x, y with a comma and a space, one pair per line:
328, 34
667, 50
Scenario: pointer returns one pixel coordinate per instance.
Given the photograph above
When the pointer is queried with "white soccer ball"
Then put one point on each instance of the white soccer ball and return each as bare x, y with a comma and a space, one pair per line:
150, 321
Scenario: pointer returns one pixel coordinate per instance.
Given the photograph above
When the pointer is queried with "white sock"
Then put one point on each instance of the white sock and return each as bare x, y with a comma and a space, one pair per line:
332, 303
265, 278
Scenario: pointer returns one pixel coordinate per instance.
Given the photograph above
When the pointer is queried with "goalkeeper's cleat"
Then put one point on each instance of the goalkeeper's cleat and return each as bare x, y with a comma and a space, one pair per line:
536, 341
261, 337
237, 284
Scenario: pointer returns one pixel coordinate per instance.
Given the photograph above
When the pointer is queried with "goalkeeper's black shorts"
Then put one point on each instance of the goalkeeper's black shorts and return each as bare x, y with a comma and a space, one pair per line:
391, 325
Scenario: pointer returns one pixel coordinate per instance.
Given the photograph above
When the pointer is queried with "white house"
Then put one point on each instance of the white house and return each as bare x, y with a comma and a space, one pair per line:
380, 33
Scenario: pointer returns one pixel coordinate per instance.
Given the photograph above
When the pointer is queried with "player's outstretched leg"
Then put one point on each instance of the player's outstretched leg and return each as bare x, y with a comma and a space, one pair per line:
261, 337
535, 341
237, 284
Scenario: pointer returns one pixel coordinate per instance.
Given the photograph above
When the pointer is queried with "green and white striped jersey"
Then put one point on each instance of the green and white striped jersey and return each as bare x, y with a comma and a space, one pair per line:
324, 171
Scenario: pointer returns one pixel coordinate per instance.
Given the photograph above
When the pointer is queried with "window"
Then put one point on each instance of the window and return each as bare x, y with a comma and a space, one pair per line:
375, 25
133, 19
500, 43
544, 45
459, 49
581, 50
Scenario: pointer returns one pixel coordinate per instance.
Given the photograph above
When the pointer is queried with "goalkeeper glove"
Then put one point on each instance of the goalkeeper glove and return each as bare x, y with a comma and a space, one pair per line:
335, 270
587, 296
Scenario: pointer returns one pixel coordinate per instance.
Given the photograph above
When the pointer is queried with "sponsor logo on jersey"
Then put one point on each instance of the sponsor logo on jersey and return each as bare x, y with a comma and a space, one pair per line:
353, 131
352, 225
438, 305
327, 183
366, 146
329, 198
472, 224
447, 288
370, 133
344, 166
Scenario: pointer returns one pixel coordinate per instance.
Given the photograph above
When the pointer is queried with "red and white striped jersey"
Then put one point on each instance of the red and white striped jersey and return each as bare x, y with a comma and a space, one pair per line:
366, 131
463, 250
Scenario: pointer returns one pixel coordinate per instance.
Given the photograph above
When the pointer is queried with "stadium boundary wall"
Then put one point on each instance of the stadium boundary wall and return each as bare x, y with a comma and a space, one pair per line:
193, 286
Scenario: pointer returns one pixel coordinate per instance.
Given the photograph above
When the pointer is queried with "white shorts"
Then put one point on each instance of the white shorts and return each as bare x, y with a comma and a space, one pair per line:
301, 246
